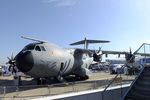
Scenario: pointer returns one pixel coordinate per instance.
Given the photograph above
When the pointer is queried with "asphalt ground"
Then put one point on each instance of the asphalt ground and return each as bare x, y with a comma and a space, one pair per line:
29, 89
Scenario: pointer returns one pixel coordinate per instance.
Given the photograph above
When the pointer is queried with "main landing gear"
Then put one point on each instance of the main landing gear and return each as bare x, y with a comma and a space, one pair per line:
41, 81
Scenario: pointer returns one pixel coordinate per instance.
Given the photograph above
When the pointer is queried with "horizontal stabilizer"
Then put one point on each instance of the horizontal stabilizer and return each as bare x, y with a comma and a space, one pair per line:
89, 41
86, 42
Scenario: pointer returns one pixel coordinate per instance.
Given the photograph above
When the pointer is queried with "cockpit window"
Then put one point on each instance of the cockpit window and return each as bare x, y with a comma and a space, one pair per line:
29, 47
42, 48
37, 48
34, 47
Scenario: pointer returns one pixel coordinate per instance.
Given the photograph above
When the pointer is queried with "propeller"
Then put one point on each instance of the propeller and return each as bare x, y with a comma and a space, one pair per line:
12, 63
97, 55
130, 57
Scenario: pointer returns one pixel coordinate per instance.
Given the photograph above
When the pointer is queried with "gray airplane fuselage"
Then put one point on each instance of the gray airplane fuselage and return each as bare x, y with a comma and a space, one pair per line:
41, 60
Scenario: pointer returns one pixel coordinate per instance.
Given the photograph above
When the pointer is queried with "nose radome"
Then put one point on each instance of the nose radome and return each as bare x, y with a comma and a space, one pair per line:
24, 61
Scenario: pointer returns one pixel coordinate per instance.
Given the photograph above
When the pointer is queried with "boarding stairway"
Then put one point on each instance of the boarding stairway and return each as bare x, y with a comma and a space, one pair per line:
140, 88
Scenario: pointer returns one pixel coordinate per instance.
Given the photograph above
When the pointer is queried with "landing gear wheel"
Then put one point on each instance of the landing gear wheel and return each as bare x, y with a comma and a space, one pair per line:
41, 81
84, 78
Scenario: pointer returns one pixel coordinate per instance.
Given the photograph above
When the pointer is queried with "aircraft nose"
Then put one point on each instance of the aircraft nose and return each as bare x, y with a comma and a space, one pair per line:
24, 61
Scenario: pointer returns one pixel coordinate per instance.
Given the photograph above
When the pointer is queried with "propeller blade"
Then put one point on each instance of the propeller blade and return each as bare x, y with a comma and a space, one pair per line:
130, 51
130, 57
94, 50
97, 55
14, 70
99, 49
8, 58
12, 56
9, 68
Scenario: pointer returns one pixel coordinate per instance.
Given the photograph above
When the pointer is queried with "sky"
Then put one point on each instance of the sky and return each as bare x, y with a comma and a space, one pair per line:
126, 23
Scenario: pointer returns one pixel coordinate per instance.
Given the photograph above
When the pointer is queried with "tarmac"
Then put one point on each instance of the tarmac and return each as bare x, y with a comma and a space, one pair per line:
29, 89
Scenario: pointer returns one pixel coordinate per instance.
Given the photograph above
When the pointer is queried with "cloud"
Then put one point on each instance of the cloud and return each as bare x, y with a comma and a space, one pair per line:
62, 3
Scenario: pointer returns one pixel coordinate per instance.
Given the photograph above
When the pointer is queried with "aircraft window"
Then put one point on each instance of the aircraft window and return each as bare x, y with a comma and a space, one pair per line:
29, 47
37, 48
42, 48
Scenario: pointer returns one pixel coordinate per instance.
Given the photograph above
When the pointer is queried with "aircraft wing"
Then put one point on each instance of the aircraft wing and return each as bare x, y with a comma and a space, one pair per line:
143, 54
106, 52
113, 52
110, 52
90, 52
123, 53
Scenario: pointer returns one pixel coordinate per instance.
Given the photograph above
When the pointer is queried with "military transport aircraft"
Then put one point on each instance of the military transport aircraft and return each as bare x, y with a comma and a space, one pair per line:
43, 60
